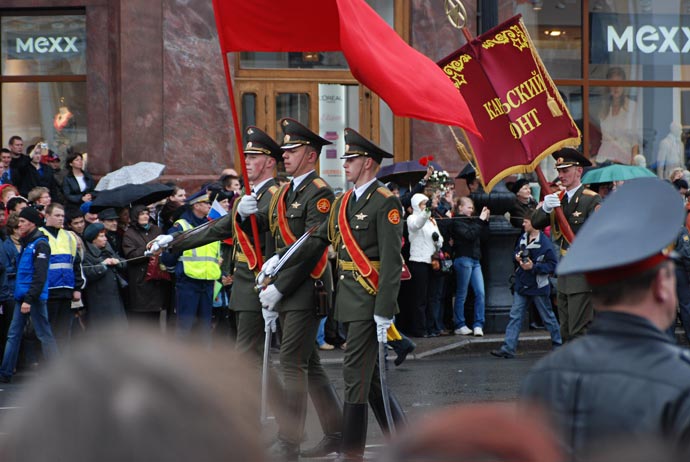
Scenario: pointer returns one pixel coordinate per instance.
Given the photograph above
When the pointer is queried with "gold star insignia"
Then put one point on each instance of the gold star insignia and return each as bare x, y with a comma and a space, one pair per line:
361, 216
577, 214
296, 205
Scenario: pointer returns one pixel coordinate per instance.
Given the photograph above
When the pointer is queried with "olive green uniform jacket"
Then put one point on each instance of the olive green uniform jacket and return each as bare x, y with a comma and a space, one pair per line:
309, 205
583, 204
377, 228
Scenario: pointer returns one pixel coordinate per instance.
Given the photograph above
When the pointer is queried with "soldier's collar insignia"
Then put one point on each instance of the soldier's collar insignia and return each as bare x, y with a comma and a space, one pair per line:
295, 205
361, 216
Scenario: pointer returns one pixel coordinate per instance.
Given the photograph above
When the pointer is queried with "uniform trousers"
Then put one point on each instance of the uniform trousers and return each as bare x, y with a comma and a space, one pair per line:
575, 313
360, 363
299, 355
194, 301
250, 332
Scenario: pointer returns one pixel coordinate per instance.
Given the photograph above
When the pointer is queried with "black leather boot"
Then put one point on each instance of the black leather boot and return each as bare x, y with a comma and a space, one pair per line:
286, 448
329, 409
354, 433
399, 419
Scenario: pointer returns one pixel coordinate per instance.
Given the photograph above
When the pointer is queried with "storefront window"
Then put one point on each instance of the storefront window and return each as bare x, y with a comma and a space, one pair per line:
54, 112
43, 81
556, 30
650, 40
630, 121
43, 45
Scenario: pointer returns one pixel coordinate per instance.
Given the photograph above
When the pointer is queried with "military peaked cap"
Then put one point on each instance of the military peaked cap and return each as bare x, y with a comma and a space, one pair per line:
569, 157
358, 146
630, 233
258, 142
295, 134
199, 196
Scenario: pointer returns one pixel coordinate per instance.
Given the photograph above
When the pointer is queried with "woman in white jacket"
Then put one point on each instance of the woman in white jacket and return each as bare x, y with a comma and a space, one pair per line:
425, 240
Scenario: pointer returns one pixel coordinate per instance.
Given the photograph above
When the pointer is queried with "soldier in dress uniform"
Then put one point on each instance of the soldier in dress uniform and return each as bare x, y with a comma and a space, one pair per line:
304, 202
365, 228
578, 203
261, 156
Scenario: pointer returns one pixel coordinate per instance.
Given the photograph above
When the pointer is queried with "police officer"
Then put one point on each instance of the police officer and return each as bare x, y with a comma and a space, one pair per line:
624, 379
296, 207
365, 228
196, 271
578, 204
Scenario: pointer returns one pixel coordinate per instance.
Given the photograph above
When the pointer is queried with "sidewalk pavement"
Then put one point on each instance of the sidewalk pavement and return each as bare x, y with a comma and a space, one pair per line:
530, 341
533, 340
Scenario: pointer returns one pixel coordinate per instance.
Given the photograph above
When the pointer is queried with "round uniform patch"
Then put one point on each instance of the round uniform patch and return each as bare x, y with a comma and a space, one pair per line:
394, 216
323, 205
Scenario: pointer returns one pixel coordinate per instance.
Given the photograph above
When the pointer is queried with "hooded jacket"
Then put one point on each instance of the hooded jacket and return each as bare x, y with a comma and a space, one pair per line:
421, 230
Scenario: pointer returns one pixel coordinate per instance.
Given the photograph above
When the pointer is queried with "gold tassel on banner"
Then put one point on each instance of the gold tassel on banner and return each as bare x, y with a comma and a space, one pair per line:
460, 147
550, 100
553, 106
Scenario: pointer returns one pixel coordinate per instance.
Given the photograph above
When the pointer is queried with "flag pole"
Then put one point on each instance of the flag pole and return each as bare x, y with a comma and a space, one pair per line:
457, 15
238, 139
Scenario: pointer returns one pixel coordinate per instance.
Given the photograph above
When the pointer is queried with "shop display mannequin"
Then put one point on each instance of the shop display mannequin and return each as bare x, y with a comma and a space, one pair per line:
671, 152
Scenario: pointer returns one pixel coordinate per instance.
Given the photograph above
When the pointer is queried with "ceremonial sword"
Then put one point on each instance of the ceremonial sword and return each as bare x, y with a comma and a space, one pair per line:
384, 388
264, 279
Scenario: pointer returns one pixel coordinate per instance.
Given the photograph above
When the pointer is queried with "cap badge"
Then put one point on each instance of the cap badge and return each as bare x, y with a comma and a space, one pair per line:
250, 131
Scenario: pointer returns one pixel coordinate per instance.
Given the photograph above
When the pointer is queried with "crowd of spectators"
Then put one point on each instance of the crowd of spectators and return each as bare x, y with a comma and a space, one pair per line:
105, 279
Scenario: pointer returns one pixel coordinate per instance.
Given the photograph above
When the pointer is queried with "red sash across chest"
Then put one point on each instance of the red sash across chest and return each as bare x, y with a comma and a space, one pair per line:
289, 238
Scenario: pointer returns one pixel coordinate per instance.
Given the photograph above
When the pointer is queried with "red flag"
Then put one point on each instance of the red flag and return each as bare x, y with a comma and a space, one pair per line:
516, 105
409, 82
277, 25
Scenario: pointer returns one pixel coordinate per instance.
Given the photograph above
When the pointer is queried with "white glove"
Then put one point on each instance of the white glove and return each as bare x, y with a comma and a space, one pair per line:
270, 264
551, 201
382, 325
269, 297
248, 206
270, 318
160, 242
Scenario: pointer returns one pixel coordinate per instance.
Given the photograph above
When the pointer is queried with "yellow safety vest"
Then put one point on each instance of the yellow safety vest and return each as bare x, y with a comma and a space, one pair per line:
63, 250
201, 262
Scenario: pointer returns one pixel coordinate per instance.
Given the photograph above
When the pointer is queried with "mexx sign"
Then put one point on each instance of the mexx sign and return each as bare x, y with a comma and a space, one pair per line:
44, 46
640, 39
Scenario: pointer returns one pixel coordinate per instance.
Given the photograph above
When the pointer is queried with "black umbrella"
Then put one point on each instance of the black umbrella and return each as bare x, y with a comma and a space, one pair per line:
404, 173
130, 194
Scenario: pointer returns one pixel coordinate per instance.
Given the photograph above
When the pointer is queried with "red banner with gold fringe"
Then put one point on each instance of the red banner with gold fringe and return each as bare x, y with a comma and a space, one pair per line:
515, 104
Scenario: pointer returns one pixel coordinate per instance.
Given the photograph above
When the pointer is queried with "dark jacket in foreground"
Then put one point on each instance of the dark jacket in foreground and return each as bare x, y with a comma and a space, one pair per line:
102, 294
146, 296
624, 380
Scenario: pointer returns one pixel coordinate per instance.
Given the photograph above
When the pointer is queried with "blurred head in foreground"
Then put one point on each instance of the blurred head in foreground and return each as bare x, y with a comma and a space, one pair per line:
134, 396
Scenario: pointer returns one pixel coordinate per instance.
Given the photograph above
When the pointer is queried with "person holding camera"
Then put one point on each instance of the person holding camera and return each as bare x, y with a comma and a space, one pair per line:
536, 260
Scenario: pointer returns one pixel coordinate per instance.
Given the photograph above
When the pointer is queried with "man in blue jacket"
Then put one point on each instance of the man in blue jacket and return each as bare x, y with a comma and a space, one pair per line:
30, 293
536, 260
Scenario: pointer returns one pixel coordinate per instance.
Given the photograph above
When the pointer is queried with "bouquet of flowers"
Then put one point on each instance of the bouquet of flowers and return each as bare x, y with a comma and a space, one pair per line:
440, 179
